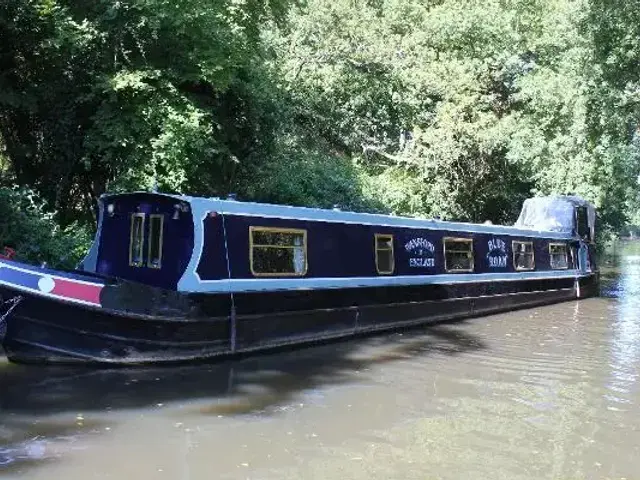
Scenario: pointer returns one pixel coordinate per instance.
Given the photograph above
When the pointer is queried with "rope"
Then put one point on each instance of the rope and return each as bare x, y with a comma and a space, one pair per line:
13, 302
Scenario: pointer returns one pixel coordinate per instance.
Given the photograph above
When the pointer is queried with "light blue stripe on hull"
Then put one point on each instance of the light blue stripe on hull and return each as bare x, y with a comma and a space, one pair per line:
265, 284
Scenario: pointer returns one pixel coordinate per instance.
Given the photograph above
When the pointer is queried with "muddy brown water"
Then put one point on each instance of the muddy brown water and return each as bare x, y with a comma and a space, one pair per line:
546, 393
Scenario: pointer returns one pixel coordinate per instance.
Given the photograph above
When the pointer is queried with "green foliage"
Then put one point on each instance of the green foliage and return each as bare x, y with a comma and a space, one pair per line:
310, 177
462, 108
31, 230
120, 95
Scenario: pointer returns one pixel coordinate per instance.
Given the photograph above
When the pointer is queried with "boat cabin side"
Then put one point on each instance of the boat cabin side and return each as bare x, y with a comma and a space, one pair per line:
285, 248
277, 253
211, 245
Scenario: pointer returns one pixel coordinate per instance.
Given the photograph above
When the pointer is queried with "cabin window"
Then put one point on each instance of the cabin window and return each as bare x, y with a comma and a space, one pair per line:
385, 261
558, 256
156, 223
136, 240
278, 252
523, 256
458, 254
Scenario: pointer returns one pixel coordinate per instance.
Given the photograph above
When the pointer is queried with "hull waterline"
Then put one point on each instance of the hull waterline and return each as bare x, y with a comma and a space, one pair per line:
48, 331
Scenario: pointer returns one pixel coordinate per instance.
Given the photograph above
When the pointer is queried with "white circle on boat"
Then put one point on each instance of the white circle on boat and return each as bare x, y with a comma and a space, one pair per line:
46, 284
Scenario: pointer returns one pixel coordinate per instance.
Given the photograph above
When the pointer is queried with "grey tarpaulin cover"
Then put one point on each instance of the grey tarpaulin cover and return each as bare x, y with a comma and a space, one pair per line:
553, 213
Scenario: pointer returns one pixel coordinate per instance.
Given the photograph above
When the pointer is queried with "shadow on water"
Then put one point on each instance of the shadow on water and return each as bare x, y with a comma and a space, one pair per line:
46, 390
39, 405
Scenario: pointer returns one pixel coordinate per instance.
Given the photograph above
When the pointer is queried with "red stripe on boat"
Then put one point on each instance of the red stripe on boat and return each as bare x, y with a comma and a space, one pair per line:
78, 291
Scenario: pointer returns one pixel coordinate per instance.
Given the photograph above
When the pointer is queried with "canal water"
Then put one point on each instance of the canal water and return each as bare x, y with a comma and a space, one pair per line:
546, 393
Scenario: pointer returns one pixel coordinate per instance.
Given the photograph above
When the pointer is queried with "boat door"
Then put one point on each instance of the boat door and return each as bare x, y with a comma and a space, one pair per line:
146, 238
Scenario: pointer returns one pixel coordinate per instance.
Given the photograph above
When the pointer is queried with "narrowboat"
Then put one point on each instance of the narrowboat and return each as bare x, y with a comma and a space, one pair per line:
173, 278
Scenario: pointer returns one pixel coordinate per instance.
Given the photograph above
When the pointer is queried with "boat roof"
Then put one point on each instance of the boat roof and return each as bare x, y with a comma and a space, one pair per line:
203, 205
554, 213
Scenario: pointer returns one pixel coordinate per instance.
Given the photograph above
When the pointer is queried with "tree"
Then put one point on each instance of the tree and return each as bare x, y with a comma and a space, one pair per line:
121, 95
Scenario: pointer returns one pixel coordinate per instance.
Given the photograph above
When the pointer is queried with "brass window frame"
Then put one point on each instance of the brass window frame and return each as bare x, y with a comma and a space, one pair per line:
472, 252
141, 250
389, 238
513, 252
566, 255
302, 231
160, 241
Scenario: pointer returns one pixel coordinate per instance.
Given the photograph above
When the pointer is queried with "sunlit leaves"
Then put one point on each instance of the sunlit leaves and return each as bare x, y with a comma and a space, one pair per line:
472, 106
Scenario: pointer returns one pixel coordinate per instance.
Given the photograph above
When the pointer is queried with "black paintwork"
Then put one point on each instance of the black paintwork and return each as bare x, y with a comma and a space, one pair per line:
255, 303
45, 330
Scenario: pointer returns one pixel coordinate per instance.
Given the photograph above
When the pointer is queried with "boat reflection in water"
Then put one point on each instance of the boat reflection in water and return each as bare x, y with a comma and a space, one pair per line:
50, 412
257, 381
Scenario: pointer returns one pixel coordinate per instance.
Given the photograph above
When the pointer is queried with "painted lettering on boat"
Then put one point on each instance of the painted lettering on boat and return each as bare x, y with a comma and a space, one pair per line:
497, 255
416, 262
422, 253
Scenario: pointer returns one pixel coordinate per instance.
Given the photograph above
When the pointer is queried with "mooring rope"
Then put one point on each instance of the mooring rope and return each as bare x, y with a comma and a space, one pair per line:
13, 302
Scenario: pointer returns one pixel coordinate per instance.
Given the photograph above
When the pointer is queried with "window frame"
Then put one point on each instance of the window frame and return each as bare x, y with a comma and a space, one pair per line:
566, 255
533, 254
389, 238
472, 252
135, 215
160, 241
253, 228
